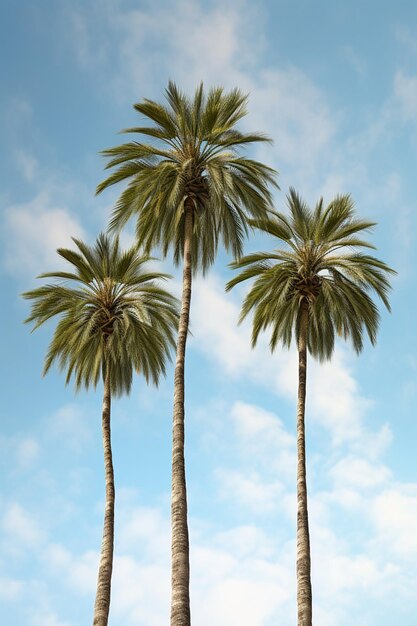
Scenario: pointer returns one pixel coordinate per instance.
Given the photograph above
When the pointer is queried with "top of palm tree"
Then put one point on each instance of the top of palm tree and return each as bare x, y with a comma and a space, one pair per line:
114, 317
320, 268
194, 162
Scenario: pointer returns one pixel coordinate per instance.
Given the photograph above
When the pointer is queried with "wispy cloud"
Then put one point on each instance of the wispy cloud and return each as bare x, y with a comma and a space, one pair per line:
334, 398
33, 231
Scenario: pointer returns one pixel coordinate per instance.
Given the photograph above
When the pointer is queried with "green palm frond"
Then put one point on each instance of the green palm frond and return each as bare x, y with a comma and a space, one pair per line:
113, 315
194, 160
321, 265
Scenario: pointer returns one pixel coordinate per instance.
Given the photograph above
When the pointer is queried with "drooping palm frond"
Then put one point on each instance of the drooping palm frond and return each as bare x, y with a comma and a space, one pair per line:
195, 161
113, 315
320, 265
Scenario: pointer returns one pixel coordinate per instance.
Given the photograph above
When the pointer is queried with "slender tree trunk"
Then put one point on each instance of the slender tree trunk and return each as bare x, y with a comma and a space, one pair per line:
180, 573
102, 604
304, 598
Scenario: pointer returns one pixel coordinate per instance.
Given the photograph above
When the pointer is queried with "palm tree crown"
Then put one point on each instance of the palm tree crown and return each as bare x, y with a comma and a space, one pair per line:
320, 268
193, 163
114, 316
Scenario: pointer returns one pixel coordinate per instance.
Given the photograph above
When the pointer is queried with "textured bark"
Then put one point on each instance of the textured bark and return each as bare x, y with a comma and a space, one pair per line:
102, 604
180, 573
304, 598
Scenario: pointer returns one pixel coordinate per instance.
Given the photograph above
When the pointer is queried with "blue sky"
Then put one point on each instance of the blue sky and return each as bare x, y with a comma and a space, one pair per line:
335, 85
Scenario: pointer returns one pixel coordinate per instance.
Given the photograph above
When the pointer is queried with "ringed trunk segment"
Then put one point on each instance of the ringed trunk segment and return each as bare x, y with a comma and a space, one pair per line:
102, 603
304, 595
180, 572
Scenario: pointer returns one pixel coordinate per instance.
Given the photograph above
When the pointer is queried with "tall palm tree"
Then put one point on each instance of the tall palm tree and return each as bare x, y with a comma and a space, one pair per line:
313, 289
188, 189
114, 319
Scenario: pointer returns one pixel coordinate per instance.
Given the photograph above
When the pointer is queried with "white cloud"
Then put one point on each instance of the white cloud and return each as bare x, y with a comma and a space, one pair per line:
284, 101
171, 36
356, 62
19, 453
247, 540
57, 556
141, 577
334, 400
27, 452
250, 490
48, 618
27, 164
228, 345
20, 527
139, 527
79, 572
188, 29
89, 54
254, 424
253, 597
359, 473
239, 574
265, 445
33, 231
394, 513
293, 110
351, 576
406, 37
222, 570
217, 335
405, 90
309, 150
346, 497
10, 589
141, 592
83, 572
69, 424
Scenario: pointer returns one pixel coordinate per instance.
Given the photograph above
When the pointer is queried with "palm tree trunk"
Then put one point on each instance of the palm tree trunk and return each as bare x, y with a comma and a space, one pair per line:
102, 604
304, 598
180, 573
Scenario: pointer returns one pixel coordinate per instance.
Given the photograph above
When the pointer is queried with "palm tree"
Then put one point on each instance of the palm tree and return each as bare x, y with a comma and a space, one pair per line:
313, 289
114, 319
188, 189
